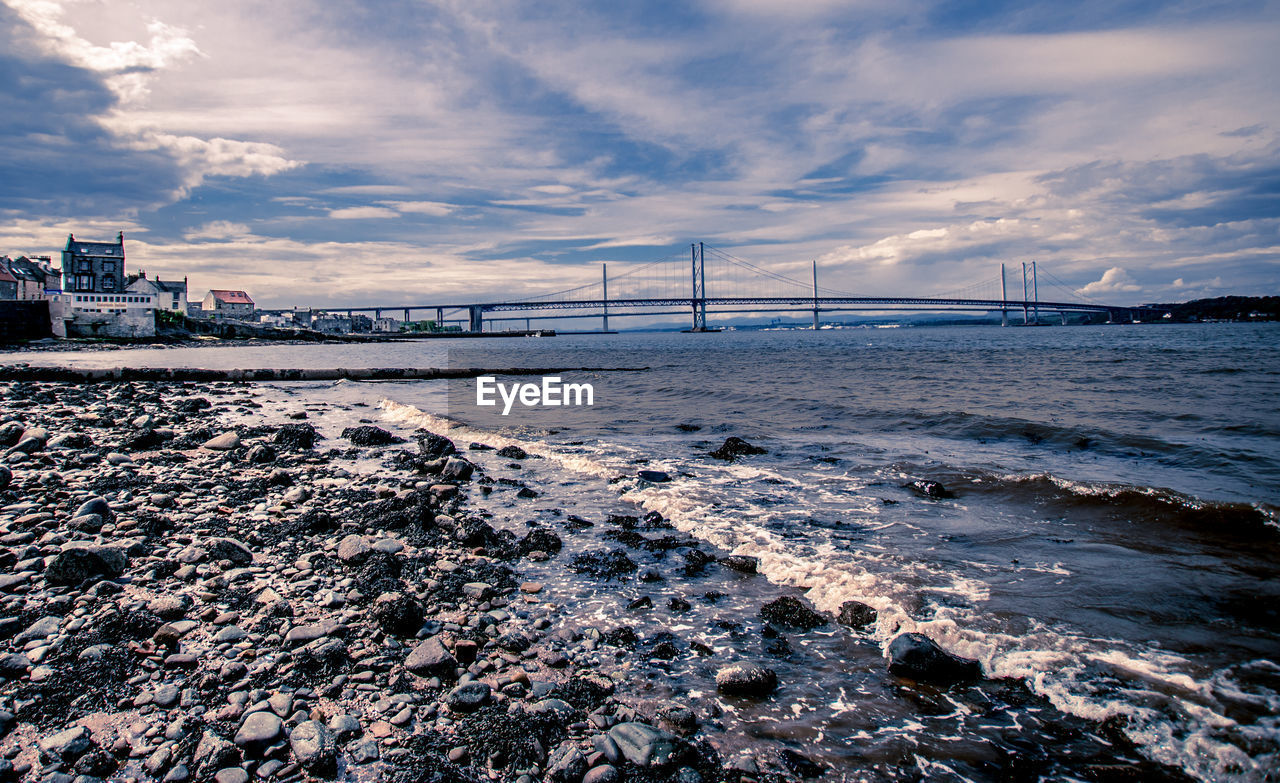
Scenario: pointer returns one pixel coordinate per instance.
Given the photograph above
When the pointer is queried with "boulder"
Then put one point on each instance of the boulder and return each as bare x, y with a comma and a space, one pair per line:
468, 697
228, 549
648, 747
918, 657
214, 752
314, 747
95, 505
431, 659
929, 489
856, 614
354, 549
746, 679
513, 452
367, 435
296, 437
224, 442
259, 731
736, 447
654, 476
566, 764
457, 469
6, 477
79, 562
397, 613
791, 611
435, 446
743, 564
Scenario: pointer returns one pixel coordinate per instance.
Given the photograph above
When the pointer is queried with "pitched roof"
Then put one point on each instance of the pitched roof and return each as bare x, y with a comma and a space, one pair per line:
231, 297
5, 277
27, 269
173, 287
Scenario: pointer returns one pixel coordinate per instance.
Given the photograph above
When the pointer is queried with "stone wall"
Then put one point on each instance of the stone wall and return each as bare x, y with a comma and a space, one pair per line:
135, 323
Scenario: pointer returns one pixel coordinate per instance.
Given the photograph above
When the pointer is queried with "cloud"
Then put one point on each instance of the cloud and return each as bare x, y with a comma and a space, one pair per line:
1114, 280
218, 229
434, 208
362, 213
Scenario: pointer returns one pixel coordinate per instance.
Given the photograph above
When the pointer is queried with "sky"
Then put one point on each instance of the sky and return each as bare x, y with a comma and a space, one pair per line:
332, 152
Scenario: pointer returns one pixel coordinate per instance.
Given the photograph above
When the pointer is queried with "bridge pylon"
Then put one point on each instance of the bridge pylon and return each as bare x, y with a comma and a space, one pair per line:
698, 255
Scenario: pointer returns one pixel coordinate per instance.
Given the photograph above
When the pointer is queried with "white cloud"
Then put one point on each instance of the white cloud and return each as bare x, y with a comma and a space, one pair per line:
1114, 280
362, 213
434, 208
218, 229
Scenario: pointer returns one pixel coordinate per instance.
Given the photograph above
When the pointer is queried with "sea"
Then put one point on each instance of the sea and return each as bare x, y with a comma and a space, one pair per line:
1109, 548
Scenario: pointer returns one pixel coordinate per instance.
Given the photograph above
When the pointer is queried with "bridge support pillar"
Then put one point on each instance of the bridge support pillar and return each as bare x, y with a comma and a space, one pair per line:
1064, 317
406, 315
477, 318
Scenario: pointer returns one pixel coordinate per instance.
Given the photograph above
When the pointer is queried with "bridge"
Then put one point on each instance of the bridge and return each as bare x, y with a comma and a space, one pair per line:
679, 286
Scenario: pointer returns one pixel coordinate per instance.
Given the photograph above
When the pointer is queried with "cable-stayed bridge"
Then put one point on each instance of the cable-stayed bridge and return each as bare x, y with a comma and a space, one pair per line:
709, 280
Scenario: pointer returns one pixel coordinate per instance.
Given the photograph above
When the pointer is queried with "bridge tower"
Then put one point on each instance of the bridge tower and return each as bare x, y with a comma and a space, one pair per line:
698, 253
1026, 317
1035, 294
604, 281
815, 295
1004, 300
476, 313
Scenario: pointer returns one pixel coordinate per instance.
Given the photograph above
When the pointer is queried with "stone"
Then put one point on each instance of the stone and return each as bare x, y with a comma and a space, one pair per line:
457, 469
170, 606
259, 730
918, 657
431, 659
79, 562
260, 454
214, 752
14, 665
67, 744
856, 614
468, 697
512, 452
296, 436
929, 489
791, 611
166, 696
603, 773
230, 633
648, 747
314, 747
224, 442
397, 613
95, 505
566, 764
654, 476
345, 727
45, 626
354, 549
229, 549
746, 679
743, 564
6, 477
367, 435
231, 775
735, 447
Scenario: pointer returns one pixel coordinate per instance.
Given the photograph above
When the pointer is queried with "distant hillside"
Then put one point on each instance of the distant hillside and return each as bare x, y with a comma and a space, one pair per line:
1224, 308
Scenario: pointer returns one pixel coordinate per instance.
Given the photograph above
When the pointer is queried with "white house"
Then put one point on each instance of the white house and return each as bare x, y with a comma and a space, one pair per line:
169, 295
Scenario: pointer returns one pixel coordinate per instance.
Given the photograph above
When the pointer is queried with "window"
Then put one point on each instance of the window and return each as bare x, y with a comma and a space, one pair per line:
84, 282
108, 284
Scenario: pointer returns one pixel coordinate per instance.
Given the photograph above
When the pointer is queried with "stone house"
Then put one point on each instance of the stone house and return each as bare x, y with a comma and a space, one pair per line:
8, 283
220, 303
33, 276
93, 267
169, 295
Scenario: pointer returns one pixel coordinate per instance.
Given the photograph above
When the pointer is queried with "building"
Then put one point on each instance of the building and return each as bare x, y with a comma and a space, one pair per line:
93, 267
386, 325
8, 283
33, 275
169, 295
220, 303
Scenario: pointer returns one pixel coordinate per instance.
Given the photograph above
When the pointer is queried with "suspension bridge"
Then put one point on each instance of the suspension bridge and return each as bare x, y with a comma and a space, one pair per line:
709, 280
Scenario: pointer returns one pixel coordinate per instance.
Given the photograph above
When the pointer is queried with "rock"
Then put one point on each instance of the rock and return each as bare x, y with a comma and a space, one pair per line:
791, 611
79, 562
228, 549
45, 626
345, 727
231, 775
513, 452
431, 659
856, 614
677, 718
434, 446
260, 454
746, 679
917, 657
66, 745
603, 773
468, 697
95, 505
14, 665
655, 476
354, 549
743, 564
457, 469
566, 764
6, 477
314, 747
367, 435
929, 489
397, 613
296, 437
736, 447
258, 731
224, 442
648, 747
172, 606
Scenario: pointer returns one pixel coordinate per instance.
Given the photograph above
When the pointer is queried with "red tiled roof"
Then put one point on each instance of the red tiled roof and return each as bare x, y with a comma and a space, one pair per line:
5, 277
231, 297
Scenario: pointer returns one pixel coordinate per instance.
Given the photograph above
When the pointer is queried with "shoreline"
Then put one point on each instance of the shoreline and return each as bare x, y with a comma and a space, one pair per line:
221, 592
